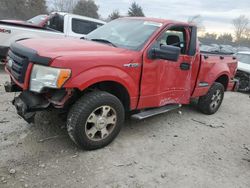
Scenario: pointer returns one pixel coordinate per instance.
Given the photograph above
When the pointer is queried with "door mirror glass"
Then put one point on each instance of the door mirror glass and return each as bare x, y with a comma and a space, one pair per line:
165, 52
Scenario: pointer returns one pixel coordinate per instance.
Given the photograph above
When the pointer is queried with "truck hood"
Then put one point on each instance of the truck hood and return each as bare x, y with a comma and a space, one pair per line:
244, 67
54, 48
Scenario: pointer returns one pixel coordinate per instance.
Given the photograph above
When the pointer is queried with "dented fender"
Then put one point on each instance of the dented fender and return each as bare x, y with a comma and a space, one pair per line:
101, 74
212, 68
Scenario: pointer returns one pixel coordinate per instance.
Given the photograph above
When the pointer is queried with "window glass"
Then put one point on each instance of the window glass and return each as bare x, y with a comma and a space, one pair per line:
83, 26
38, 19
56, 23
175, 37
126, 33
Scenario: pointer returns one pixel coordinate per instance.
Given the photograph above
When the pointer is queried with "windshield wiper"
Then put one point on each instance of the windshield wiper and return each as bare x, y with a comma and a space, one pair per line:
104, 41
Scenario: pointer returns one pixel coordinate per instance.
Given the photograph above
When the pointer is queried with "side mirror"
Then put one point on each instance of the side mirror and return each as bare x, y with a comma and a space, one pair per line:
165, 52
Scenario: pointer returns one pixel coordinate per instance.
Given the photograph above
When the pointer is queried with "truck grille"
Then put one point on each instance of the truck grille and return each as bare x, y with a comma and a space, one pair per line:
17, 65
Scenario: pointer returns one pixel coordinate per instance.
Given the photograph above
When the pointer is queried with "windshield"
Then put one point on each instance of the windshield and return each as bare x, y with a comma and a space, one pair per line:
125, 33
38, 19
244, 58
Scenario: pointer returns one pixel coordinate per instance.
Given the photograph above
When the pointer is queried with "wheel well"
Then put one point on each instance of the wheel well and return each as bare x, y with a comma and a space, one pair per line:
223, 80
115, 89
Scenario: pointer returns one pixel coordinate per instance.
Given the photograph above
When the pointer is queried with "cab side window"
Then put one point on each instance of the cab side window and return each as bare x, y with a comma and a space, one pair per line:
176, 36
84, 26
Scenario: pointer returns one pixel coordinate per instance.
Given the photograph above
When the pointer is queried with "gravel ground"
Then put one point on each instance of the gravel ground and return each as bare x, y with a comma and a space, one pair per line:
176, 149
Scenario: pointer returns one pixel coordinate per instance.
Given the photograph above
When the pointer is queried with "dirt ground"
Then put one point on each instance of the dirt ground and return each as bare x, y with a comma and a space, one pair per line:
176, 149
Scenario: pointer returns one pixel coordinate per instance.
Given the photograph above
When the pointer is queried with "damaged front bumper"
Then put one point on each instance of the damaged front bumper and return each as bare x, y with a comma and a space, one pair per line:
27, 103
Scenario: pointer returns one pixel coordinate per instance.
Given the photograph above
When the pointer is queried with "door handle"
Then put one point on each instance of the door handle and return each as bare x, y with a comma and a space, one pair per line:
185, 66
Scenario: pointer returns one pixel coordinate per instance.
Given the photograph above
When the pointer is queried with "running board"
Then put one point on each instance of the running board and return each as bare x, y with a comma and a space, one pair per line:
155, 111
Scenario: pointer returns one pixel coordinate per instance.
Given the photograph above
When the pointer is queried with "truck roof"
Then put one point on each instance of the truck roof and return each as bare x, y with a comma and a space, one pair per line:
160, 20
80, 17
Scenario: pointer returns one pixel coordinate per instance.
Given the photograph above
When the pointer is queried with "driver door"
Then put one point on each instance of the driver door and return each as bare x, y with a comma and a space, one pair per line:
163, 81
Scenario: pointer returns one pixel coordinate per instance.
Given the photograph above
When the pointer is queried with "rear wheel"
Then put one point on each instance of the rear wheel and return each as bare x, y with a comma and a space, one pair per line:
95, 120
211, 102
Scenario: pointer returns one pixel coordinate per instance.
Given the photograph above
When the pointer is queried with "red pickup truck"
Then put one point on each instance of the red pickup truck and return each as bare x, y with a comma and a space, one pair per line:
139, 65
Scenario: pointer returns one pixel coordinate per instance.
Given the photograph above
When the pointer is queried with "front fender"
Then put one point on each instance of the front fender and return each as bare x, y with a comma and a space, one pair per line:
101, 74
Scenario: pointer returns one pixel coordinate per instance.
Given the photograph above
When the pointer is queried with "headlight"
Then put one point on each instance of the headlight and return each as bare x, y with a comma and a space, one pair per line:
49, 77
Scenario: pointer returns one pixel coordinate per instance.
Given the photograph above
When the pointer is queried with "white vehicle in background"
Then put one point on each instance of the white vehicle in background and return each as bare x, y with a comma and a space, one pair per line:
243, 71
57, 24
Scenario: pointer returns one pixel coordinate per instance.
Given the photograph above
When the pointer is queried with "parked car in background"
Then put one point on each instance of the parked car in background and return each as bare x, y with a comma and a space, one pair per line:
55, 25
215, 48
243, 71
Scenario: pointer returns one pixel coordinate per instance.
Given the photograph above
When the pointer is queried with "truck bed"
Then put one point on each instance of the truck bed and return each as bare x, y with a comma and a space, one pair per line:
211, 63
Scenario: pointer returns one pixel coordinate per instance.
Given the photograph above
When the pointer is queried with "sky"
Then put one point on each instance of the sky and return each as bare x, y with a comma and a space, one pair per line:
217, 15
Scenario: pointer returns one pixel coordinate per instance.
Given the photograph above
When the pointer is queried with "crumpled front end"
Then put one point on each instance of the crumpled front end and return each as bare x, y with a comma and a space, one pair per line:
20, 66
244, 80
27, 103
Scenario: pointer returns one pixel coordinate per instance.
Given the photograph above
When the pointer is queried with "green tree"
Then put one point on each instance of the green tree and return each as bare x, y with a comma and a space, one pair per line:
208, 38
225, 38
63, 5
35, 8
135, 10
114, 15
247, 33
240, 26
86, 8
243, 42
21, 9
13, 9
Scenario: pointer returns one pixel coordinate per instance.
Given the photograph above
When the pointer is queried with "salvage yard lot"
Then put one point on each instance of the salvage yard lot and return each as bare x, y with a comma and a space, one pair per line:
176, 149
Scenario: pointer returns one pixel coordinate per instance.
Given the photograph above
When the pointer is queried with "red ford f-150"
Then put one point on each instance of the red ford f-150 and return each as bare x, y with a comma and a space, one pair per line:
140, 65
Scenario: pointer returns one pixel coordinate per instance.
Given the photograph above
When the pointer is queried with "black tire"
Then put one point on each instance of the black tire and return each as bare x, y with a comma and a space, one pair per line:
81, 112
208, 104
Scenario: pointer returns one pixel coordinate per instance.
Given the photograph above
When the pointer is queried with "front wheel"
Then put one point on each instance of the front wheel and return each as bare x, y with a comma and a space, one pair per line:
211, 102
95, 120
